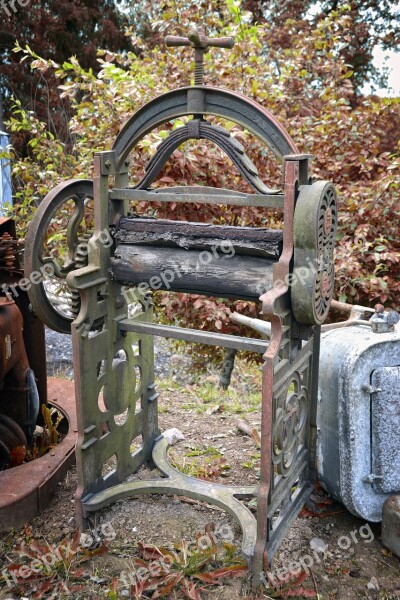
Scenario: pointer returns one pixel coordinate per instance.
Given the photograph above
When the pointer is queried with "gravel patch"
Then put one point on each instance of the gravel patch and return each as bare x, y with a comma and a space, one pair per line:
60, 359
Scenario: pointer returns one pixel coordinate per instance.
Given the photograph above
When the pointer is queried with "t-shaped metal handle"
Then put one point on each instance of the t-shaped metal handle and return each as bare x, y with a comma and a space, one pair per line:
198, 40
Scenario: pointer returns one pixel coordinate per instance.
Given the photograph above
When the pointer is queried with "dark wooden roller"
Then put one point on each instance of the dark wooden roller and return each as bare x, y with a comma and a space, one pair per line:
161, 232
214, 260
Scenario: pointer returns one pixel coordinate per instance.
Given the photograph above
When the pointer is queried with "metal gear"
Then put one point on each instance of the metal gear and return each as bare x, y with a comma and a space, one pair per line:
81, 260
314, 233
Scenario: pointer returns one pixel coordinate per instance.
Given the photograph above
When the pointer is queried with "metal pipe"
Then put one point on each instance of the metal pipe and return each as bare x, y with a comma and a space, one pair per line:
350, 308
349, 323
194, 335
263, 327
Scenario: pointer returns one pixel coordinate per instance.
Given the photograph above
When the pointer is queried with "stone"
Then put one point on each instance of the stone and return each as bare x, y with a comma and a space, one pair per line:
373, 584
173, 435
391, 524
318, 545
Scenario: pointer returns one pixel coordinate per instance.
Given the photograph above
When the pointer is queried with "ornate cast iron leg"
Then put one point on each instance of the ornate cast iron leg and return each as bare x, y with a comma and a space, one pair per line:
284, 398
114, 374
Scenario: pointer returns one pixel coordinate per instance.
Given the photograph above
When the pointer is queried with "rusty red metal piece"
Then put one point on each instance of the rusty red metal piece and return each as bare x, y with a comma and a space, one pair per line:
274, 302
33, 329
27, 489
14, 365
9, 255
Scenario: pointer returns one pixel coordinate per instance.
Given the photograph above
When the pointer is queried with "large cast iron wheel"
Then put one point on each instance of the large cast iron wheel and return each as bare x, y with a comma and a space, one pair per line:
36, 260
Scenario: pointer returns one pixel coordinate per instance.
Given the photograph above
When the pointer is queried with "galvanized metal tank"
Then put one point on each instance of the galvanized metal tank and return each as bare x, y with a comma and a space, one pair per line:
358, 447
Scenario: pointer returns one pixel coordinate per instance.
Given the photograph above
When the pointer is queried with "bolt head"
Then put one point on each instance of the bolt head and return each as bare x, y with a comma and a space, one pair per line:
119, 302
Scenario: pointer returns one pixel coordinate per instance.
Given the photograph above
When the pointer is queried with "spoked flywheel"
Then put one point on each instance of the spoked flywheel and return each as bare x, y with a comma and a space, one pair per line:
314, 233
51, 298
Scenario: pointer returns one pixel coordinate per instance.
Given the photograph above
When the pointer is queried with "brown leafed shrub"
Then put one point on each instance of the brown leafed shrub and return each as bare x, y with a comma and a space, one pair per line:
308, 87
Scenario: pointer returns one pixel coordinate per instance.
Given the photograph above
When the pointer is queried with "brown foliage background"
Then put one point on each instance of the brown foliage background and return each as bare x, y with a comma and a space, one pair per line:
304, 81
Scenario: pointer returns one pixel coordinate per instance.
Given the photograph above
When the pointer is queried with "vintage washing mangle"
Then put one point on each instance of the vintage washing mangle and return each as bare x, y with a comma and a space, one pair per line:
113, 353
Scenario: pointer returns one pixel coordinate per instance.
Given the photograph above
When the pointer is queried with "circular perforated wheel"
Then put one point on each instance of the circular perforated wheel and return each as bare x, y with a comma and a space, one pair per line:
314, 234
40, 259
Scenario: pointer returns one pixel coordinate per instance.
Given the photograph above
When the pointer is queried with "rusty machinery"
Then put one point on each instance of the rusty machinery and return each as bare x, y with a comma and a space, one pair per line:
113, 353
19, 395
24, 388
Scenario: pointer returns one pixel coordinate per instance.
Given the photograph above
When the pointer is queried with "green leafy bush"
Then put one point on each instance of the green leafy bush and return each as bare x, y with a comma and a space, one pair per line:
308, 87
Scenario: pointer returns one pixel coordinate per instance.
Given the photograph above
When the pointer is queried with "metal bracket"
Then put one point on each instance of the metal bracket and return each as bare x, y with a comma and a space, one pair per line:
371, 478
108, 163
175, 482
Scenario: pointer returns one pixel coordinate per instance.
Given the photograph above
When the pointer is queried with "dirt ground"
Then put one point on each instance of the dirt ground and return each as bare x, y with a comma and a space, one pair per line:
340, 556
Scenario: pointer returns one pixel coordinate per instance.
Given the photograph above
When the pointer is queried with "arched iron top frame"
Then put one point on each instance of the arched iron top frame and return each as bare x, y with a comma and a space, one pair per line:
204, 100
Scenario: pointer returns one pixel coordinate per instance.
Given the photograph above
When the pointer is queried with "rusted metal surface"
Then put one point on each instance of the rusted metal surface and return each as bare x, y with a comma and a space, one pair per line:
341, 306
33, 329
9, 245
11, 437
33, 332
288, 434
194, 335
378, 319
208, 100
260, 560
8, 252
27, 489
35, 346
202, 129
314, 240
18, 395
383, 320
